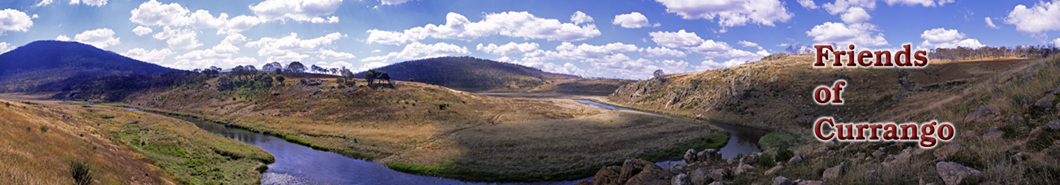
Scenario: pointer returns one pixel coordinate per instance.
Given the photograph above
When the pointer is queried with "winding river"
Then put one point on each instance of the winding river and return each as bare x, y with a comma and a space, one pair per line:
297, 164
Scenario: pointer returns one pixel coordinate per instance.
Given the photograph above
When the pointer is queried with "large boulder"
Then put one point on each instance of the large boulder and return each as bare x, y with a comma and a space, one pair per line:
775, 169
900, 159
948, 150
781, 180
608, 175
717, 174
749, 159
700, 177
953, 173
681, 179
980, 114
833, 173
644, 172
742, 168
690, 156
1053, 125
708, 155
1046, 101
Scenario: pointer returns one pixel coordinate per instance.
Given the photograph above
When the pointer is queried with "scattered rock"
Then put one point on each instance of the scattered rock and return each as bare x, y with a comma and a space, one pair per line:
678, 169
749, 159
831, 153
1046, 101
608, 175
781, 180
878, 154
993, 134
774, 170
833, 173
742, 168
795, 159
717, 183
681, 179
700, 177
717, 174
948, 150
809, 182
708, 155
978, 115
690, 156
900, 159
870, 175
953, 173
1053, 125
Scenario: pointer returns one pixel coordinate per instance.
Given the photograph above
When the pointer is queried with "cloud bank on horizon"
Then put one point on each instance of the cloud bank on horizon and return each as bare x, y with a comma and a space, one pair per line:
625, 39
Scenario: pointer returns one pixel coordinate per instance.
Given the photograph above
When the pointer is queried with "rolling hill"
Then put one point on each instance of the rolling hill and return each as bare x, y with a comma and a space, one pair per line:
481, 75
41, 62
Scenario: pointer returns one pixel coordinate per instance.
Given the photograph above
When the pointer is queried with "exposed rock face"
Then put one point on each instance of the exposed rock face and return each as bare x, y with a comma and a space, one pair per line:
948, 150
781, 180
749, 159
953, 173
633, 171
708, 155
809, 182
742, 168
717, 174
833, 173
980, 114
700, 177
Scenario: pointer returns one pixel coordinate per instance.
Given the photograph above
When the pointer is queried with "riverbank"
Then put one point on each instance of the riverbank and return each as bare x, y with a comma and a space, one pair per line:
178, 150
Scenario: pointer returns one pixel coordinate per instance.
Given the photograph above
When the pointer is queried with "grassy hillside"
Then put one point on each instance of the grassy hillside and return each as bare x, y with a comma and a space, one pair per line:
1010, 144
478, 75
41, 62
119, 147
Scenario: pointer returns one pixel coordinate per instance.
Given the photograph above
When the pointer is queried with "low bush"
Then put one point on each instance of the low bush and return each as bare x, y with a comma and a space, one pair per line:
81, 172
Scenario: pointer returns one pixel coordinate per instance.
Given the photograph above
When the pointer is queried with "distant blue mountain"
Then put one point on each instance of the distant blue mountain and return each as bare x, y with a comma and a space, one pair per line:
46, 61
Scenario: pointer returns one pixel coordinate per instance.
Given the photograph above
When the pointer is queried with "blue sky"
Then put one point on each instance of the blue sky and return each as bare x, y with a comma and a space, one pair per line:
592, 38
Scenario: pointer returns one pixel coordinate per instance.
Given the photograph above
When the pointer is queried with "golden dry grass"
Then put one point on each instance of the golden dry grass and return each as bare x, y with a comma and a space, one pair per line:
30, 156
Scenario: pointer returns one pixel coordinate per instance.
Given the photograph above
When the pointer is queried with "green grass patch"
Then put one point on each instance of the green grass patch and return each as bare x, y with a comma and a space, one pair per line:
776, 139
1044, 140
713, 141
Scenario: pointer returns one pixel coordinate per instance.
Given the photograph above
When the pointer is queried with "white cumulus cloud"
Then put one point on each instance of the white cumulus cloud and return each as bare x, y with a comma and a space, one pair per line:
730, 13
512, 24
632, 20
1037, 19
179, 38
663, 52
842, 34
580, 17
990, 23
419, 50
925, 3
808, 4
154, 13
153, 56
100, 38
43, 3
292, 48
88, 2
299, 10
855, 15
510, 47
141, 30
393, 2
943, 38
14, 20
62, 38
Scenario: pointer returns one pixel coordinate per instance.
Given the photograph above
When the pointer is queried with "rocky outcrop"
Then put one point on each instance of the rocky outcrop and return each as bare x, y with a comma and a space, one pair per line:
633, 171
681, 179
898, 160
691, 156
980, 114
953, 173
775, 169
1053, 125
833, 173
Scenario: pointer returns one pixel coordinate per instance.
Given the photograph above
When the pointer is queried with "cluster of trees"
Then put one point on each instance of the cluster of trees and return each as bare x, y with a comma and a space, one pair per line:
372, 75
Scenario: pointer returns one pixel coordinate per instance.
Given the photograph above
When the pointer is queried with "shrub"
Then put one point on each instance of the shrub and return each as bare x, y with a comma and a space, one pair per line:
442, 106
81, 172
43, 128
783, 154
